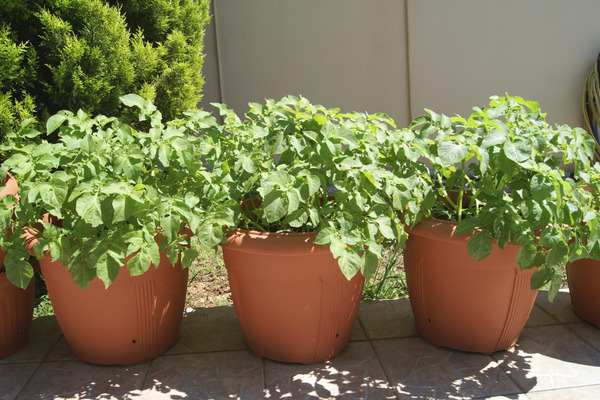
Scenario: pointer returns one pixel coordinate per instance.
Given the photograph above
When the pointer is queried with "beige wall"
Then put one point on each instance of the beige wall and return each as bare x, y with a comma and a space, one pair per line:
401, 56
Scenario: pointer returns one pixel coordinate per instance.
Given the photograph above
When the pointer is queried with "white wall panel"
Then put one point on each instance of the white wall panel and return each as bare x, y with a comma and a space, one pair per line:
340, 53
463, 51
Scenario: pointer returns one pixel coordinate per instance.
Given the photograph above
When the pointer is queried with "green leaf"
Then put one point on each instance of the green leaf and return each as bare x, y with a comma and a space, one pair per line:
81, 273
555, 286
451, 152
325, 236
541, 277
385, 227
89, 208
147, 255
518, 151
123, 207
171, 225
210, 234
493, 138
54, 122
320, 119
337, 247
54, 194
107, 268
370, 266
557, 254
540, 189
314, 184
131, 167
527, 255
370, 178
467, 225
347, 136
18, 271
188, 256
134, 100
480, 245
350, 263
164, 154
274, 206
293, 197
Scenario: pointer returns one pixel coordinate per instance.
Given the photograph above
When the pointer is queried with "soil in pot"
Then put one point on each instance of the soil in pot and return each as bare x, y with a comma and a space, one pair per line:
291, 299
135, 320
461, 303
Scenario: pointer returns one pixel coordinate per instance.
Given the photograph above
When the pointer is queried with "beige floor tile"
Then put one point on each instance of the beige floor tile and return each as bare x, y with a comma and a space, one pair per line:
209, 329
220, 375
77, 380
579, 393
353, 374
386, 319
539, 317
419, 370
13, 378
588, 332
61, 351
551, 357
43, 335
560, 308
358, 333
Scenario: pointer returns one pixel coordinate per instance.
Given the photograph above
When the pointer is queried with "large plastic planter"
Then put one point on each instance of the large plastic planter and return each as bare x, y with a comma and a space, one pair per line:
291, 299
16, 304
462, 303
584, 286
135, 320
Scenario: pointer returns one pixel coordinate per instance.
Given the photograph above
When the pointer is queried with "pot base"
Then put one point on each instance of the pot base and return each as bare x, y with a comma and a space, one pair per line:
16, 312
291, 299
584, 286
461, 303
133, 321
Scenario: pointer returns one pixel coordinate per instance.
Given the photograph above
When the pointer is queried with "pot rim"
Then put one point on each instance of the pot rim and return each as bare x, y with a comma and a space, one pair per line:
252, 232
443, 230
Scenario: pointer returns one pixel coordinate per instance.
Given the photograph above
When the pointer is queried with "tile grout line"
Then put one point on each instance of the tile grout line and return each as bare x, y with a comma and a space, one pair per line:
39, 365
264, 376
383, 371
147, 375
580, 337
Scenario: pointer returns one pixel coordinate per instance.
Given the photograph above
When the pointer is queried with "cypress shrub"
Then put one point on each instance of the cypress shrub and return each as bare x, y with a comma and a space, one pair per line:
85, 54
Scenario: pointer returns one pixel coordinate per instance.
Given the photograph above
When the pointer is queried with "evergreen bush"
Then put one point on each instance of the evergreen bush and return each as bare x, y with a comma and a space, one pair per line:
85, 54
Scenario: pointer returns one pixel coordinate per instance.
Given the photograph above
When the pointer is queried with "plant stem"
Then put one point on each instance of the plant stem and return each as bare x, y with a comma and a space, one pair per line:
461, 192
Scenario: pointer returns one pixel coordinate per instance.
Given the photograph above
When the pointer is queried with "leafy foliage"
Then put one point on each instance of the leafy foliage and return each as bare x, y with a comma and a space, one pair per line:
87, 53
111, 191
502, 173
300, 167
17, 62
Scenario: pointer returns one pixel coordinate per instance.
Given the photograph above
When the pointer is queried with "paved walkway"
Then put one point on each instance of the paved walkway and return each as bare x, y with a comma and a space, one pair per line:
558, 357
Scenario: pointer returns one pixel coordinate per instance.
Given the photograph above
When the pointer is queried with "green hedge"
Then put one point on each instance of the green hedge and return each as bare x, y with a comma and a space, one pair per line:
72, 54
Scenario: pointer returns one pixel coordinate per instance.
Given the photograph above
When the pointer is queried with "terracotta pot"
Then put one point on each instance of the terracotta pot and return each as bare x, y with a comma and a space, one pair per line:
291, 299
135, 320
584, 286
461, 303
10, 187
16, 312
16, 304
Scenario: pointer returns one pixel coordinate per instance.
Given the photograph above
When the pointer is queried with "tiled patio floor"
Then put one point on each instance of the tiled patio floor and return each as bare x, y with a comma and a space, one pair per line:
558, 357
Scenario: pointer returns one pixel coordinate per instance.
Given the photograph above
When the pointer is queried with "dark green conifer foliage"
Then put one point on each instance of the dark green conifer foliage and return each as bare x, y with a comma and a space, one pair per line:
72, 54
